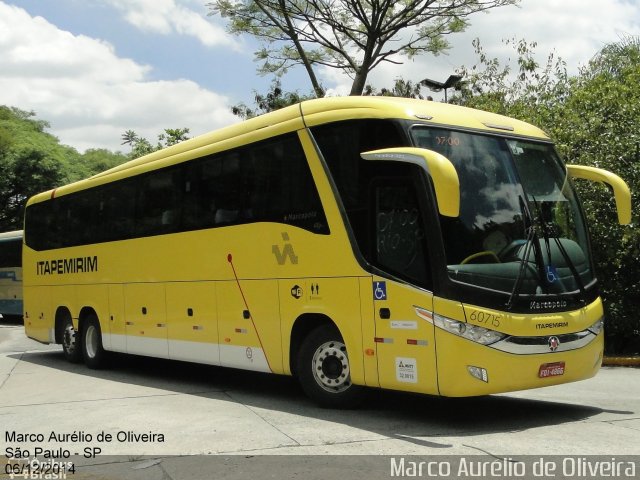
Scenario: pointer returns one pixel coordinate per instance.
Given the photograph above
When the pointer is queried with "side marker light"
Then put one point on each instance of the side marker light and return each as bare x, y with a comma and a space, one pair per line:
479, 373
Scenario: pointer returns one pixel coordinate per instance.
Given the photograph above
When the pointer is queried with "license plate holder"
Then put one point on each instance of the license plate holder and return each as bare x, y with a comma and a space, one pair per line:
554, 369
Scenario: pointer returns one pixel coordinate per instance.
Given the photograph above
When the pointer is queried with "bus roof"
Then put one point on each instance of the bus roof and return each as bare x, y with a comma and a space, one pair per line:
311, 113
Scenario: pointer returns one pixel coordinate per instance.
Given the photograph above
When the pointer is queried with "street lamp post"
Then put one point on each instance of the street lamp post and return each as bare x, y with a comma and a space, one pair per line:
436, 86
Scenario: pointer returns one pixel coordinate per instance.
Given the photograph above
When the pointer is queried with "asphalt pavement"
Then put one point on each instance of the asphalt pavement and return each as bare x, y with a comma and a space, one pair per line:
149, 418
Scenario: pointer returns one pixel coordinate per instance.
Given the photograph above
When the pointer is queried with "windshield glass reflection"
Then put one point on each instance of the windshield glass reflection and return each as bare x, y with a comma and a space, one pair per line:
520, 229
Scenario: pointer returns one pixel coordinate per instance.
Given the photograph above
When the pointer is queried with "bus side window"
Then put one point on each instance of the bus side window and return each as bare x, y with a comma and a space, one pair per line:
158, 202
266, 182
40, 226
117, 210
202, 180
231, 203
83, 225
11, 253
283, 189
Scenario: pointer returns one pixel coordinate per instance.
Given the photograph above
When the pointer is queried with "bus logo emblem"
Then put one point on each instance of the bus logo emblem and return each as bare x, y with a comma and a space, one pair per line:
286, 253
554, 343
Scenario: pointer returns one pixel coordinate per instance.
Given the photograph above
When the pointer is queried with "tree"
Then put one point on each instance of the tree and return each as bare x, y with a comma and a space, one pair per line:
353, 36
527, 90
274, 99
601, 127
31, 161
140, 146
97, 160
401, 88
172, 136
129, 137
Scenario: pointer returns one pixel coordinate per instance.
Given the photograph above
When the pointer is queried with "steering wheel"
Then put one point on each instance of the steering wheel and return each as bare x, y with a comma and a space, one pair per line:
485, 253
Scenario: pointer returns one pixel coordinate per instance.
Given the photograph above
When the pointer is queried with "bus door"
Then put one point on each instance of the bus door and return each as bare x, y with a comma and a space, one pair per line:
403, 302
404, 337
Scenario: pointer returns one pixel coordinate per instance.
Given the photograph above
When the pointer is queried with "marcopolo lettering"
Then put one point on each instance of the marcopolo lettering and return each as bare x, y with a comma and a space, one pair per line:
62, 266
548, 305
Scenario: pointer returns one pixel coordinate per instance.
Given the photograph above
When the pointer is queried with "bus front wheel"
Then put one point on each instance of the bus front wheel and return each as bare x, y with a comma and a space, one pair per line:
324, 371
92, 351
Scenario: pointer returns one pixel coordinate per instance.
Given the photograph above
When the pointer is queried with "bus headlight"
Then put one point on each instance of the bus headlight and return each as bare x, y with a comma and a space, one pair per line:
474, 333
597, 327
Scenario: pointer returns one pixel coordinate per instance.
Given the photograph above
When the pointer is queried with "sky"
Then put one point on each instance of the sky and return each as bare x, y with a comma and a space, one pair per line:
96, 68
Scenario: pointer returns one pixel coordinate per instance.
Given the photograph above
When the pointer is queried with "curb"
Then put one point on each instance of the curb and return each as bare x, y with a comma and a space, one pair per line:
621, 362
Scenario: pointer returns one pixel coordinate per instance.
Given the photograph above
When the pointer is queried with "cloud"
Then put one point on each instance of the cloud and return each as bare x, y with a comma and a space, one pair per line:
575, 30
171, 16
89, 94
33, 47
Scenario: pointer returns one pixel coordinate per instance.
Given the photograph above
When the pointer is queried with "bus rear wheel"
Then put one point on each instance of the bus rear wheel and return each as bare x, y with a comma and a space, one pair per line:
70, 342
324, 370
92, 351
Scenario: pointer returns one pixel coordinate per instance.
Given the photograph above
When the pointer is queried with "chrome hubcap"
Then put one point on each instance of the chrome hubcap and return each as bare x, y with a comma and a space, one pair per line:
331, 367
69, 339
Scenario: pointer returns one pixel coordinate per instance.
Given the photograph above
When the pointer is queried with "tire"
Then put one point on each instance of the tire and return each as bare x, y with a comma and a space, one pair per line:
92, 351
71, 344
324, 372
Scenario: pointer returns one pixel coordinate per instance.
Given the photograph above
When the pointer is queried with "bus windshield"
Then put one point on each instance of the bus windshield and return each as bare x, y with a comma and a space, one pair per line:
520, 229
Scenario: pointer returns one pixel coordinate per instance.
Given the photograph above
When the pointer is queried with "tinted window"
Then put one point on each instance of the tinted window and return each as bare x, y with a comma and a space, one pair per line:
117, 210
265, 182
11, 253
158, 202
399, 230
378, 197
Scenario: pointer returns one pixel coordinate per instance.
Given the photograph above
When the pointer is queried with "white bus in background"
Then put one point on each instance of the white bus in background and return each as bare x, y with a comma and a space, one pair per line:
11, 274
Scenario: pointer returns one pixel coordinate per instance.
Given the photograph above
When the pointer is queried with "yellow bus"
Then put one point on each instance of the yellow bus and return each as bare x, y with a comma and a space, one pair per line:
352, 242
11, 274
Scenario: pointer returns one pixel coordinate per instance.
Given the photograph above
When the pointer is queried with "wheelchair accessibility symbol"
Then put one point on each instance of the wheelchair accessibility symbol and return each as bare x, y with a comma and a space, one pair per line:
379, 290
552, 273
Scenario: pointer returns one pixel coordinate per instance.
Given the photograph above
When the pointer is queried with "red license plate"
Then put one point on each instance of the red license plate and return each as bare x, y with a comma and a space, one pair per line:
551, 370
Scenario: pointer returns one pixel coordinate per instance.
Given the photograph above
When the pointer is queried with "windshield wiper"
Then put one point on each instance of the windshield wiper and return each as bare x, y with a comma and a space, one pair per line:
563, 251
530, 242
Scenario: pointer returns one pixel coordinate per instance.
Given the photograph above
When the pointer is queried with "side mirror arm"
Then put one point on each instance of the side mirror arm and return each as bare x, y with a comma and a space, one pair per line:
621, 192
437, 166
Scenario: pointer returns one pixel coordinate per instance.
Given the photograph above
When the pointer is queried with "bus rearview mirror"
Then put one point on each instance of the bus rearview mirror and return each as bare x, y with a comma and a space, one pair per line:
437, 166
621, 192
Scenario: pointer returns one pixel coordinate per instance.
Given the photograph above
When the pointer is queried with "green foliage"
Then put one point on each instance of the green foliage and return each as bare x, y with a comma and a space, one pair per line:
274, 99
97, 160
32, 161
401, 88
140, 146
594, 117
353, 36
601, 120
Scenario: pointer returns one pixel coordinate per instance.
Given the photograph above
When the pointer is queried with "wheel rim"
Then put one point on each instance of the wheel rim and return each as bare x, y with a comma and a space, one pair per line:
91, 341
330, 366
69, 339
